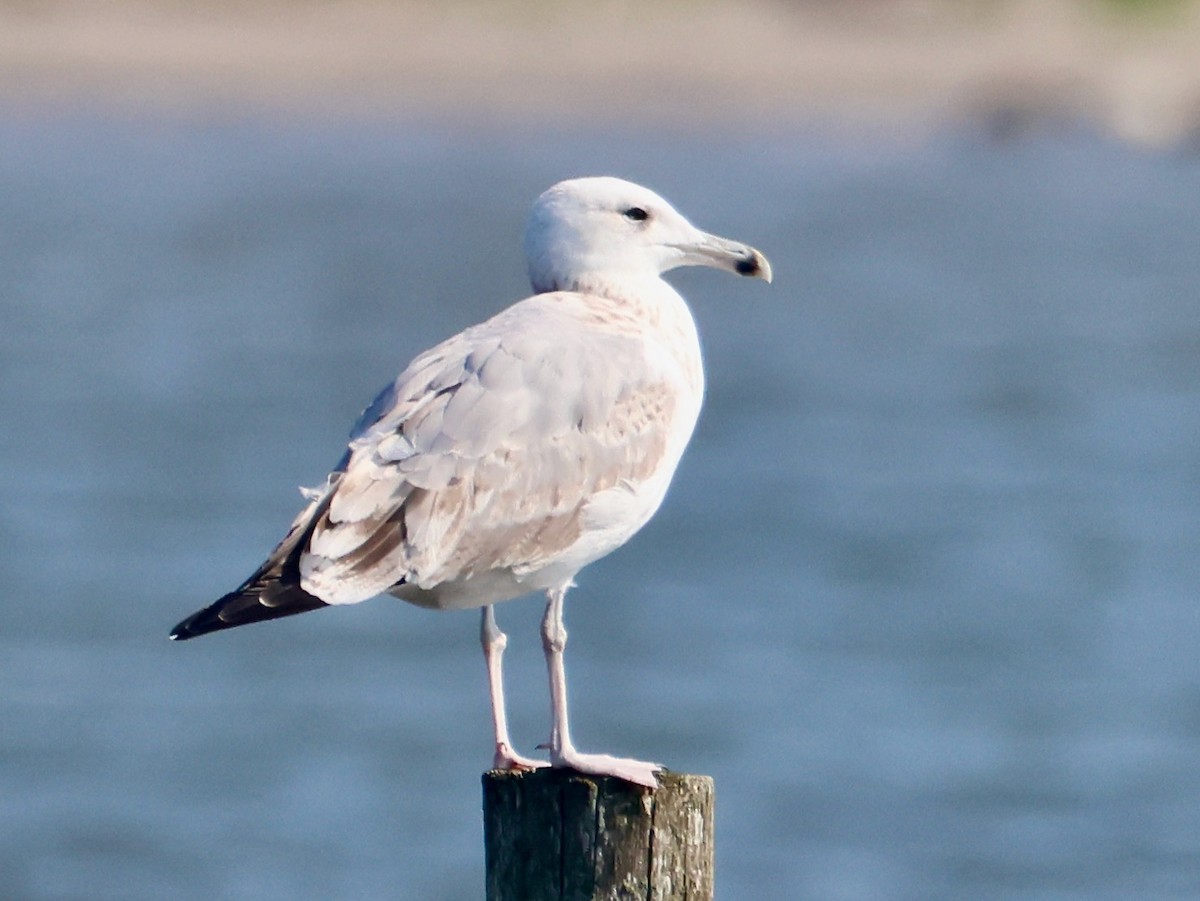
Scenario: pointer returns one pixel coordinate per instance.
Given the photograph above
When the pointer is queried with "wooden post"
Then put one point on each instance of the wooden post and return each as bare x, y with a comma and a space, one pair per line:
558, 835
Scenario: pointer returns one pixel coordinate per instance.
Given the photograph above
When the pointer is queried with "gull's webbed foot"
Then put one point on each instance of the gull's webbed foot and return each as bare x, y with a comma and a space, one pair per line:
639, 772
507, 759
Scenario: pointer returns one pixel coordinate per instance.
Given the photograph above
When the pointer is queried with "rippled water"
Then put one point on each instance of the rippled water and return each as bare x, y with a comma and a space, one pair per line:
923, 598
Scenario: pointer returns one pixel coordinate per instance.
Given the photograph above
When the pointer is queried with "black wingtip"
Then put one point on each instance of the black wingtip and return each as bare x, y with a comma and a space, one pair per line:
253, 604
272, 592
203, 621
196, 625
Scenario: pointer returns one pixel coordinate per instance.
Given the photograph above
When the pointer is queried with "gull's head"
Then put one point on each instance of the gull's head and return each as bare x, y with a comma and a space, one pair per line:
591, 233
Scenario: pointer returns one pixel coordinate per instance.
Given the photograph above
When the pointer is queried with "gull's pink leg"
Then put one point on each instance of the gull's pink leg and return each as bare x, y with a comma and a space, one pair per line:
562, 751
494, 642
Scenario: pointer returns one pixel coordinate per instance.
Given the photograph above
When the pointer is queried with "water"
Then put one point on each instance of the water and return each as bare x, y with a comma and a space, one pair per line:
922, 599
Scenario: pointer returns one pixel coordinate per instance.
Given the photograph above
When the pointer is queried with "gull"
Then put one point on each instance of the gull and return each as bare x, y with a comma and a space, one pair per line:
510, 456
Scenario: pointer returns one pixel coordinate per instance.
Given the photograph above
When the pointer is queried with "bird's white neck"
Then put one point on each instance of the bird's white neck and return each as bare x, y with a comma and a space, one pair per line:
641, 288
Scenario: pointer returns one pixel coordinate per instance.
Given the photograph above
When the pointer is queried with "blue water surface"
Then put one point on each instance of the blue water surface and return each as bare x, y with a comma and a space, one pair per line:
923, 597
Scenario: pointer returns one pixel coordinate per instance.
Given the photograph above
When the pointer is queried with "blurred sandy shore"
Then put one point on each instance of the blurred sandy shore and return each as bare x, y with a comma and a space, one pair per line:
683, 64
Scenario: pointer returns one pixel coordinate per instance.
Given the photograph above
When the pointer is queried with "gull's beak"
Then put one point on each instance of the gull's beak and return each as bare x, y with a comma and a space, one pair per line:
721, 253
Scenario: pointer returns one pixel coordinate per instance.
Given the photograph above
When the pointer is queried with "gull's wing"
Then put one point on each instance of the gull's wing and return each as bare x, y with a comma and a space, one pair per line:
485, 452
481, 456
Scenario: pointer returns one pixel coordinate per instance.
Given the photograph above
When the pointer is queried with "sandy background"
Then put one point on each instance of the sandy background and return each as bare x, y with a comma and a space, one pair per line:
762, 64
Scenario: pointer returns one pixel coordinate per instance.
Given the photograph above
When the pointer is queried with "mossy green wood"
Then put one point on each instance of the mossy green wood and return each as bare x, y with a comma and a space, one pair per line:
558, 835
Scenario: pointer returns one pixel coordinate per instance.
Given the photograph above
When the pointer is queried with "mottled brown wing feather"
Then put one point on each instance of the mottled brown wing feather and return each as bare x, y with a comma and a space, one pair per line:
495, 442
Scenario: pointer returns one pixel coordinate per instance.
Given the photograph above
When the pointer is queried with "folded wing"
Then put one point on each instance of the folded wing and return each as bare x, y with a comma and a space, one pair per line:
488, 450
483, 455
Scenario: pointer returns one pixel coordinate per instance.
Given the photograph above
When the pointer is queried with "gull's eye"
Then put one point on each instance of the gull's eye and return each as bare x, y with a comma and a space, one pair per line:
636, 214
